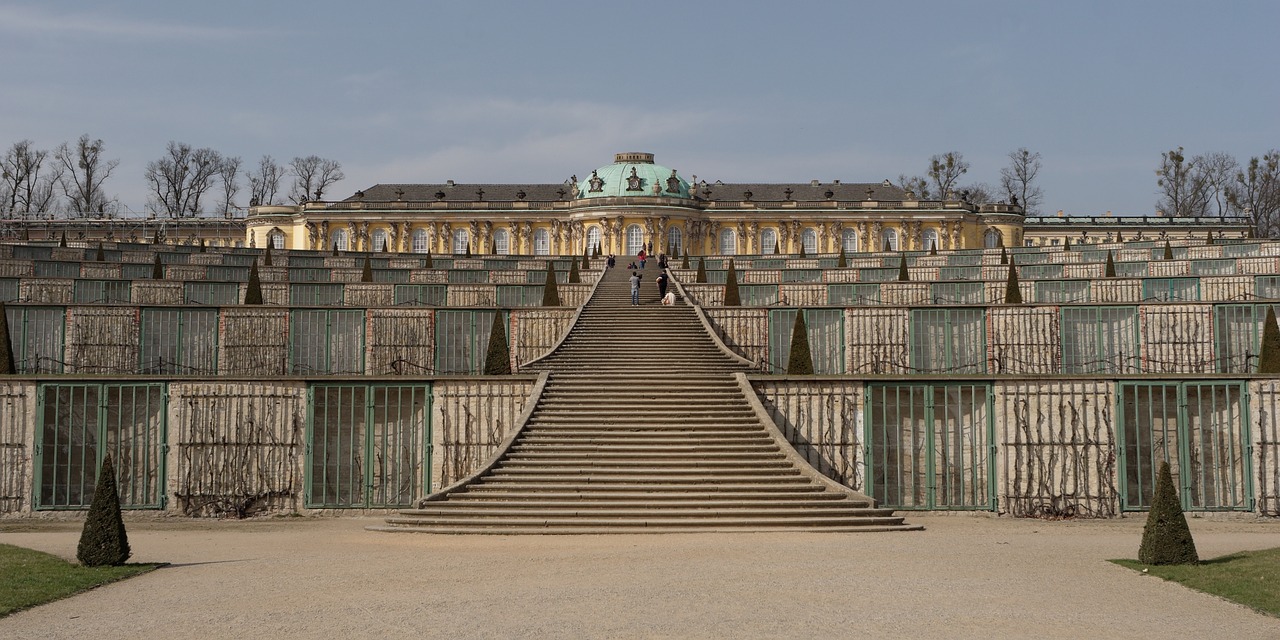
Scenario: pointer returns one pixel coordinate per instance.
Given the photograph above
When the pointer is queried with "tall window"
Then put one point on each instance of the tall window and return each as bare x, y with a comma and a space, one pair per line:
593, 239
461, 240
541, 243
930, 239
768, 241
501, 242
809, 240
728, 242
888, 240
849, 240
277, 240
420, 241
635, 239
991, 239
379, 240
674, 239
339, 239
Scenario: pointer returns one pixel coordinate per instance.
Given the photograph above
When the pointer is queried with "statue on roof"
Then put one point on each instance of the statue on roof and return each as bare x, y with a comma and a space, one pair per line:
597, 184
634, 181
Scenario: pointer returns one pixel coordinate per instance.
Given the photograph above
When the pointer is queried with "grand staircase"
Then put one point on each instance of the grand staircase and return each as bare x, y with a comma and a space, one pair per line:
643, 427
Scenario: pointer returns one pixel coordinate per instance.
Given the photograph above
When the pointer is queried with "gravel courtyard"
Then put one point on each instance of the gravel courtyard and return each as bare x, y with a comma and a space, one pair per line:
975, 577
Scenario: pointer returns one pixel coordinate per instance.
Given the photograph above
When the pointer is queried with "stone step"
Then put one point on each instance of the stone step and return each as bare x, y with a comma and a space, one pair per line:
776, 510
617, 528
713, 519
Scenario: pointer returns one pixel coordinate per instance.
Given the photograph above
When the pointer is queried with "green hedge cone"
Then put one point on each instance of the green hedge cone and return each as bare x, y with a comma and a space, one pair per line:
104, 541
1166, 538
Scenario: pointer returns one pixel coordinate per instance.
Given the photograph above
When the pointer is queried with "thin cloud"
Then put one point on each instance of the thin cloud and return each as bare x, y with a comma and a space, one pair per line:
28, 21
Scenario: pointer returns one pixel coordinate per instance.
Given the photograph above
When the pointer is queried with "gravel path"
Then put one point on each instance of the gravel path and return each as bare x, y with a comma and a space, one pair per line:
975, 577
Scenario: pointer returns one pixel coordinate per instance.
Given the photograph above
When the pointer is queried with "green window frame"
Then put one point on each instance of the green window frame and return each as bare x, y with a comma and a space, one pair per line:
965, 260
368, 446
958, 292
136, 271
1171, 289
1213, 267
826, 339
1039, 271
431, 295
1061, 291
326, 341
80, 424
9, 289
877, 275
174, 340
960, 273
38, 338
853, 295
802, 275
1100, 340
1237, 336
1267, 287
214, 294
758, 295
475, 276
949, 340
307, 274
519, 295
47, 269
101, 292
462, 339
317, 294
930, 446
1200, 428
1131, 269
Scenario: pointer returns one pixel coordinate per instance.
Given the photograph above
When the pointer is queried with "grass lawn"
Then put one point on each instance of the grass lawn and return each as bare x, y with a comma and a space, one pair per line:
1251, 578
29, 578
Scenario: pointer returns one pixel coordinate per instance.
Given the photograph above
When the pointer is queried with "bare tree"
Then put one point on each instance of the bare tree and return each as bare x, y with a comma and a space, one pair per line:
1255, 192
312, 175
916, 185
1216, 172
179, 180
264, 183
24, 189
945, 171
83, 172
1183, 189
1018, 180
229, 173
978, 193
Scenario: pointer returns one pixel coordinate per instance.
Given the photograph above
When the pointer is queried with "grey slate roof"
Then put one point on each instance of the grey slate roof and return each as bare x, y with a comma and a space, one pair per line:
706, 191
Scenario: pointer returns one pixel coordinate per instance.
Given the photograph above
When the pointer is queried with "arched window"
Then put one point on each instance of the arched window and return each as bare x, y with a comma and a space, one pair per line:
541, 242
888, 240
277, 240
501, 242
809, 240
849, 240
768, 241
991, 239
379, 240
461, 240
593, 239
674, 240
728, 242
339, 239
635, 239
929, 239
420, 241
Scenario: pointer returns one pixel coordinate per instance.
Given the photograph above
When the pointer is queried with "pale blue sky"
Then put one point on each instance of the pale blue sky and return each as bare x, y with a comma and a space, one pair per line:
738, 91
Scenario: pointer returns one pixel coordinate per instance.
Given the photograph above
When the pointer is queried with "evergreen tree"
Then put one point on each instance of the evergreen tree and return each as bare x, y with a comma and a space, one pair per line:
157, 269
63, 241
1119, 236
802, 253
468, 250
1110, 269
550, 292
1168, 251
731, 296
887, 247
684, 262
586, 261
842, 262
1166, 539
202, 245
1269, 354
497, 360
253, 290
1004, 256
800, 361
1066, 245
574, 278
426, 261
903, 274
933, 248
7, 364
776, 251
1208, 237
156, 238
335, 249
386, 246
103, 541
366, 274
266, 257
702, 271
1012, 293
101, 256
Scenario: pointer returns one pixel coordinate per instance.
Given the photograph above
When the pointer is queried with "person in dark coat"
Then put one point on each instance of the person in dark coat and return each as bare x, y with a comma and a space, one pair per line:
662, 284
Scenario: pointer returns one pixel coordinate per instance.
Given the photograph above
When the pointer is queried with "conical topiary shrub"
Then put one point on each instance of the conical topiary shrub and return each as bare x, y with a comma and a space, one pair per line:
1208, 237
103, 541
1166, 539
156, 238
550, 291
800, 361
574, 278
335, 249
253, 290
1012, 292
497, 359
202, 245
100, 256
1066, 244
702, 271
7, 364
1004, 256
1168, 251
1119, 236
1109, 271
903, 274
731, 296
157, 269
62, 242
586, 261
1269, 354
266, 257
842, 262
426, 261
366, 274
802, 252
776, 249
684, 262
887, 246
468, 254
933, 248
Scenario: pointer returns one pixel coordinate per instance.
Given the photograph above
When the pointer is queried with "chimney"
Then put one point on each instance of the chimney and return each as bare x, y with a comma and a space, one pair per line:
1059, 213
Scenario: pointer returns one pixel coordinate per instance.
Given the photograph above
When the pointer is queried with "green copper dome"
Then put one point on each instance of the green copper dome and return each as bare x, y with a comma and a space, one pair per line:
633, 174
